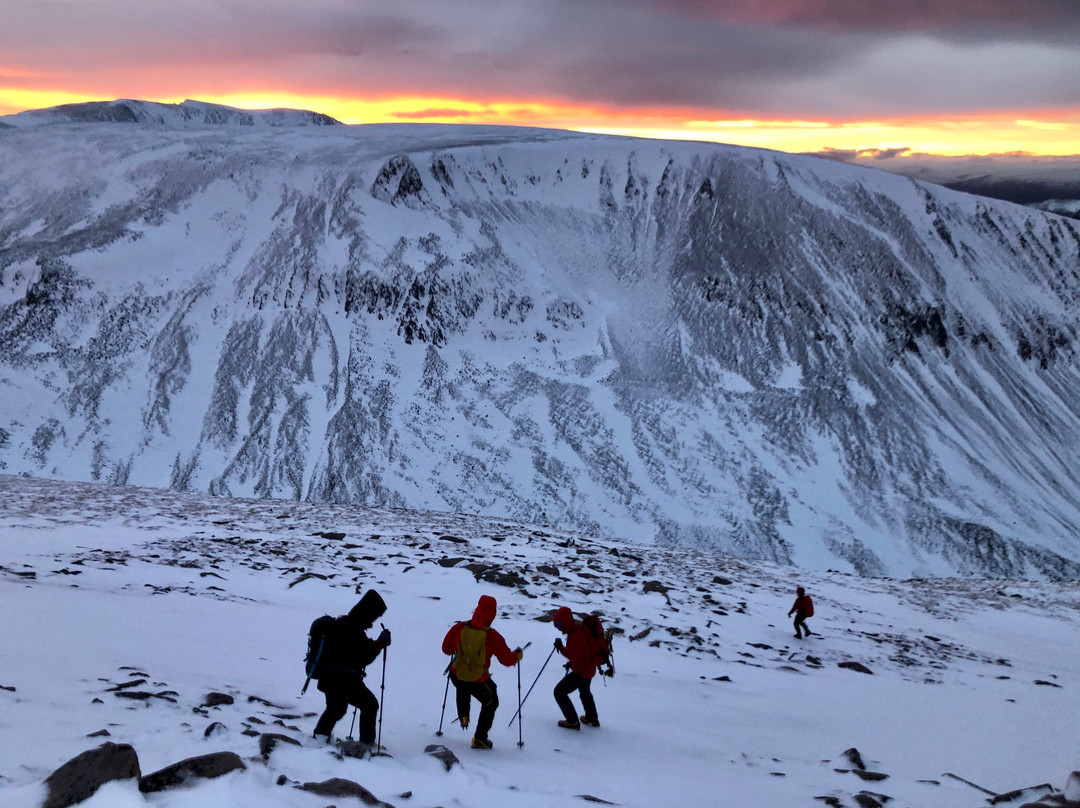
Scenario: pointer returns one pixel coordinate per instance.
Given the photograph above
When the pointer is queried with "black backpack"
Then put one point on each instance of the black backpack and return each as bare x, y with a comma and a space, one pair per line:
318, 657
600, 639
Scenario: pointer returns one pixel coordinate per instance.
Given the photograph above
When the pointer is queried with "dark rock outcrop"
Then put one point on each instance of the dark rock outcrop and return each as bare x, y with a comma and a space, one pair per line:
84, 774
340, 787
443, 754
203, 767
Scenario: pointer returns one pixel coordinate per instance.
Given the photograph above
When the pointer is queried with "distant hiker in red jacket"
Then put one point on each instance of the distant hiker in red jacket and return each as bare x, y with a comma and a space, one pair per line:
802, 609
472, 643
581, 668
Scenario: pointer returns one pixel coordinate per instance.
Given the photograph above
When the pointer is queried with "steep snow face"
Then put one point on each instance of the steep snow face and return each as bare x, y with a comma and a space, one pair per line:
779, 356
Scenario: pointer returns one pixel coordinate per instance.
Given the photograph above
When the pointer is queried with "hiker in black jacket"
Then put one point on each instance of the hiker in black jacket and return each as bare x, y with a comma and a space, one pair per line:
347, 652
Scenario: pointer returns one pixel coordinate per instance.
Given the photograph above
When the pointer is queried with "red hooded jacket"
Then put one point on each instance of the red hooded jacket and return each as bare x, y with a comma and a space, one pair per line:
578, 650
494, 645
802, 604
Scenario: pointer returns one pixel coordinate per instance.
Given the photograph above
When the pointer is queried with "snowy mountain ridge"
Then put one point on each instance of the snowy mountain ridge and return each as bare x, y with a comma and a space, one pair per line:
186, 114
674, 343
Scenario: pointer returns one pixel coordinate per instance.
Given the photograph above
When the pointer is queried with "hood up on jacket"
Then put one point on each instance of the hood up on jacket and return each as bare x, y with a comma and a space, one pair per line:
485, 612
369, 609
564, 619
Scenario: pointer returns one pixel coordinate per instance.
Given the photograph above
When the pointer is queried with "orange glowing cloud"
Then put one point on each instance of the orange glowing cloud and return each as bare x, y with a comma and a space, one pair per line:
1037, 132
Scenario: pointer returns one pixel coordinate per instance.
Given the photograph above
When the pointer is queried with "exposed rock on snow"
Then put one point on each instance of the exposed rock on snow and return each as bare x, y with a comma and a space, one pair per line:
854, 666
268, 741
202, 767
81, 777
340, 787
442, 754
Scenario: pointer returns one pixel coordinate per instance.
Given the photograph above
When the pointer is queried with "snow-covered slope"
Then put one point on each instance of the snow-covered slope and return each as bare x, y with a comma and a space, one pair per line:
677, 343
125, 609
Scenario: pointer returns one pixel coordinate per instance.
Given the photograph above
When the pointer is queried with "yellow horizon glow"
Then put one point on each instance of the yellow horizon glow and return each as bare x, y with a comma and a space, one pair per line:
1048, 134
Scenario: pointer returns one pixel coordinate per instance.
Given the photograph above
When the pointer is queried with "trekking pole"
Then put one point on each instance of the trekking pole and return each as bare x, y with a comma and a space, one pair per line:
521, 743
314, 665
352, 724
446, 692
382, 701
537, 679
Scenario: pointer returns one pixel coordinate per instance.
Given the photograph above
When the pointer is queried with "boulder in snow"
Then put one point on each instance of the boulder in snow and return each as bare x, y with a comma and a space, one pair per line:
84, 774
201, 767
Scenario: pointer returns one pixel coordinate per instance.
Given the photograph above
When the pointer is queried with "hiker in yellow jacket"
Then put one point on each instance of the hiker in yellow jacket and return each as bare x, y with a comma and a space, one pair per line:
472, 644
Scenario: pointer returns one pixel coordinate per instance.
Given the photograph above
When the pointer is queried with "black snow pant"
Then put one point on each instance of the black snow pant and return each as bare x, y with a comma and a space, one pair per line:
342, 687
484, 692
800, 624
568, 685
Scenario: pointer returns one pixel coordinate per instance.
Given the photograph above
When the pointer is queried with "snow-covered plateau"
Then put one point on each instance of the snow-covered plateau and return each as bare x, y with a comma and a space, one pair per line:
173, 625
678, 344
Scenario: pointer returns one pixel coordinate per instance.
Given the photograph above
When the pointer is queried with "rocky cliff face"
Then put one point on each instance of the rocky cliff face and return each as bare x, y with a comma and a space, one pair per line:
784, 357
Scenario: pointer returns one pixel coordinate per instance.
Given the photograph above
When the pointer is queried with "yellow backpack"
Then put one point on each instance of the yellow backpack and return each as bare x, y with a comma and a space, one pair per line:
471, 654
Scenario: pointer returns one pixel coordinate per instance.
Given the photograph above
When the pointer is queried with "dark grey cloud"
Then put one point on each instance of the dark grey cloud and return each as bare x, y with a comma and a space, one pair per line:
1013, 20
784, 59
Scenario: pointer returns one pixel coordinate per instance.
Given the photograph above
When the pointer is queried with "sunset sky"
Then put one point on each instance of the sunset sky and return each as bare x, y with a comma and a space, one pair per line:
939, 76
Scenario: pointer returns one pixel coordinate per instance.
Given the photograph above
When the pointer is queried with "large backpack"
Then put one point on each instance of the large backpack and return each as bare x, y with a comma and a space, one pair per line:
808, 606
471, 655
600, 639
319, 656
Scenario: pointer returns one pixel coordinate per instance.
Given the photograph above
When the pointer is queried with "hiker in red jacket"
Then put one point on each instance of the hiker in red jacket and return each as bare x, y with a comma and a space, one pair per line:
581, 668
802, 609
472, 644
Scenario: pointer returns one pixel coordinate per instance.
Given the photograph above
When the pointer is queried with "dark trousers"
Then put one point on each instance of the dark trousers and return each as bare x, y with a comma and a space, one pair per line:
568, 685
484, 692
343, 687
800, 623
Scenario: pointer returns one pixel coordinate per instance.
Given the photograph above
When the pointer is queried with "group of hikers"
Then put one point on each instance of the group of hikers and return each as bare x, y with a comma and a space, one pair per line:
339, 651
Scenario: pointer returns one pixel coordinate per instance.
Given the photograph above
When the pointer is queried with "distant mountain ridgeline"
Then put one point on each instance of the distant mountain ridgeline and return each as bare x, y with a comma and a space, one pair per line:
186, 113
776, 355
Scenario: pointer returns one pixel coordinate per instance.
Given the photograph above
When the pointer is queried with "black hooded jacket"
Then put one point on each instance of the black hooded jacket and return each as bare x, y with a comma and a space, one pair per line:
347, 644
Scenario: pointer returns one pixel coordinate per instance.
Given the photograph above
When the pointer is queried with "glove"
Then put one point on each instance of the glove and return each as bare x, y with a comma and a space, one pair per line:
520, 654
384, 638
558, 644
609, 671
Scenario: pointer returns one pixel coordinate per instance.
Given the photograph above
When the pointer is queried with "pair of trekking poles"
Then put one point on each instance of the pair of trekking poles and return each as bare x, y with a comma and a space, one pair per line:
521, 701
379, 752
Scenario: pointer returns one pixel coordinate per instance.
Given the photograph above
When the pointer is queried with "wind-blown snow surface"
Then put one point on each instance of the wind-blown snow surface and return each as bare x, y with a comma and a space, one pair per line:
779, 356
716, 703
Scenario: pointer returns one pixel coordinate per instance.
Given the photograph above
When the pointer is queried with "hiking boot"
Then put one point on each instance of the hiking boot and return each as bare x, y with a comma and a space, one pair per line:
464, 721
569, 724
590, 722
482, 743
